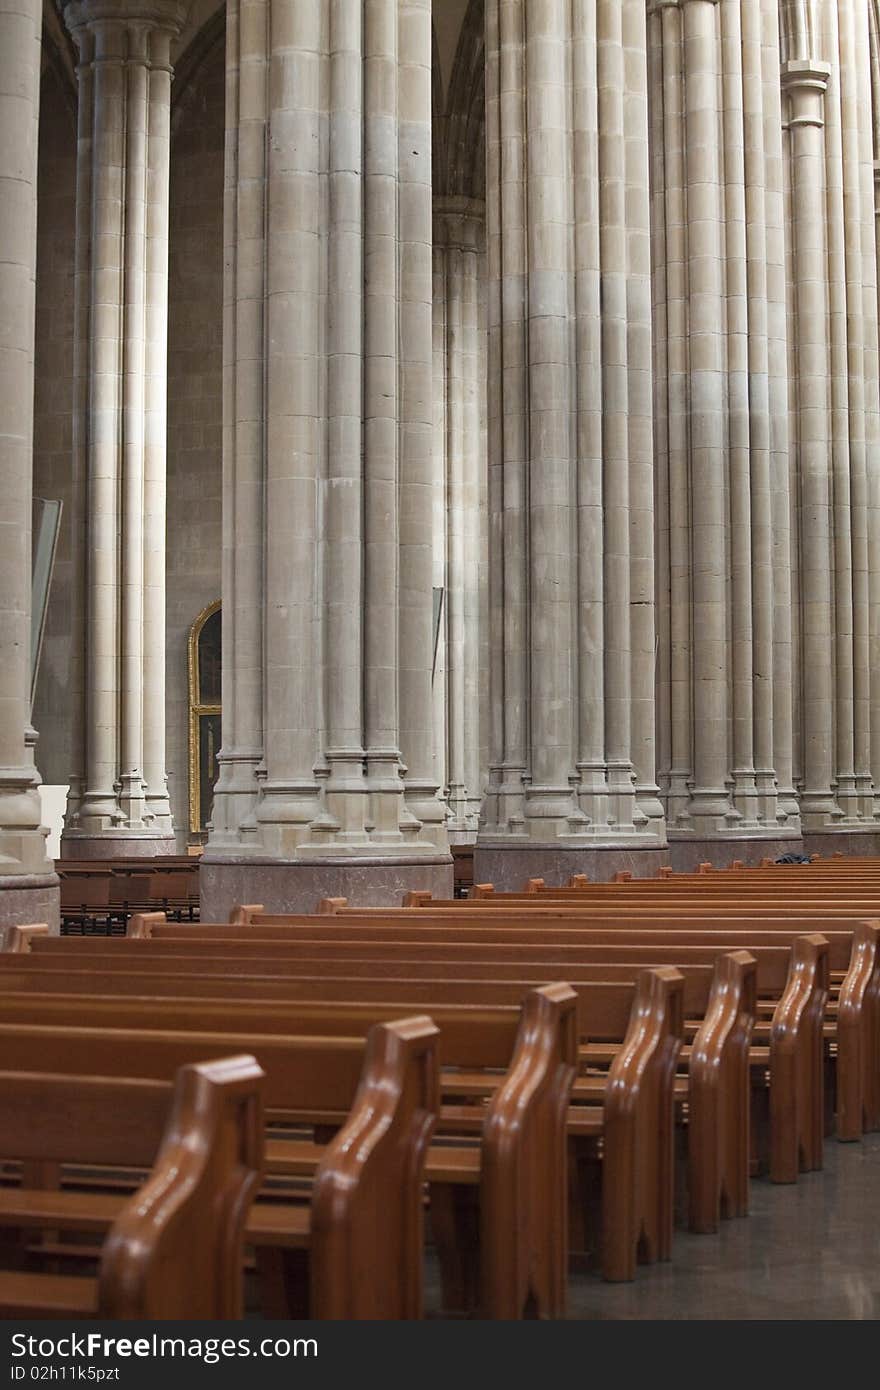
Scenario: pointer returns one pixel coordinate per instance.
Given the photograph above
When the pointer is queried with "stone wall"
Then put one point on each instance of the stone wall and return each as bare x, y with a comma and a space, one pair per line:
194, 394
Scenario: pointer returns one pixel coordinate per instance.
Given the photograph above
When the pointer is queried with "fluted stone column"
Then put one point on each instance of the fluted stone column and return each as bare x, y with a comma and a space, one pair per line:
118, 804
327, 780
459, 365
28, 885
571, 493
805, 82
723, 497
827, 79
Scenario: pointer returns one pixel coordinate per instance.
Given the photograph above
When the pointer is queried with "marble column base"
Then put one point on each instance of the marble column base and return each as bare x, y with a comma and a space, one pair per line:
685, 856
858, 844
29, 898
117, 846
375, 882
509, 866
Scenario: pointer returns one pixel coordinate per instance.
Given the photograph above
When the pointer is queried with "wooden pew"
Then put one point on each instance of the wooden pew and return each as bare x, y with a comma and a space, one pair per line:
858, 1079
521, 1122
366, 1206
799, 1032
720, 990
665, 996
175, 1248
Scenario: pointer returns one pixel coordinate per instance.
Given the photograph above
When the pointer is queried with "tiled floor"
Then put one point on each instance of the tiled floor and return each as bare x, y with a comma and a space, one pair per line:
808, 1251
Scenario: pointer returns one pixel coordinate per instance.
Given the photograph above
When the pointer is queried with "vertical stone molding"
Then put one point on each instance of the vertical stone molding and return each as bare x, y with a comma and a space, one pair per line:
570, 450
28, 886
459, 236
724, 715
118, 802
328, 757
834, 421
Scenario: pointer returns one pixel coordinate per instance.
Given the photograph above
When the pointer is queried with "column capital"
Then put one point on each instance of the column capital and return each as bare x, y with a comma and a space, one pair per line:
168, 15
459, 223
805, 82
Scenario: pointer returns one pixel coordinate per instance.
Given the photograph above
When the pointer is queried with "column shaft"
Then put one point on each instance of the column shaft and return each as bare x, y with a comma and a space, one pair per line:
119, 800
784, 533
235, 795
343, 533
458, 236
156, 426
328, 758
570, 420
295, 439
614, 223
806, 83
710, 797
27, 883
381, 414
415, 426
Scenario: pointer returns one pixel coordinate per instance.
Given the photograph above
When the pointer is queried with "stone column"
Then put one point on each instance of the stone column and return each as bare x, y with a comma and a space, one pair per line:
28, 885
769, 157
719, 304
327, 782
832, 120
244, 288
804, 83
571, 565
458, 238
119, 798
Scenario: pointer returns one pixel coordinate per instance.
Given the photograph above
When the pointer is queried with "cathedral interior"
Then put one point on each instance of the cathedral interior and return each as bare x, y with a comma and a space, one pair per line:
453, 426
439, 450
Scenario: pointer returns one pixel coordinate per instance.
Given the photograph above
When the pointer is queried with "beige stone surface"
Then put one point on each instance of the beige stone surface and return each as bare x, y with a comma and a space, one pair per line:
119, 783
629, 423
195, 396
26, 878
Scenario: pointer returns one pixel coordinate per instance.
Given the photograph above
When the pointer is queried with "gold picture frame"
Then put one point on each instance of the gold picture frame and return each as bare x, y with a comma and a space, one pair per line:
198, 709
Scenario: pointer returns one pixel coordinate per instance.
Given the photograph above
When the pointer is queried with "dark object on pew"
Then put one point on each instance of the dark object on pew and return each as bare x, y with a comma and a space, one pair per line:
793, 858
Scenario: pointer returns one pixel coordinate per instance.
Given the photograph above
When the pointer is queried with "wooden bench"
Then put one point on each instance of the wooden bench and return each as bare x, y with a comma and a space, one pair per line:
796, 1131
173, 1249
99, 897
366, 1208
631, 1096
532, 1044
719, 990
859, 1080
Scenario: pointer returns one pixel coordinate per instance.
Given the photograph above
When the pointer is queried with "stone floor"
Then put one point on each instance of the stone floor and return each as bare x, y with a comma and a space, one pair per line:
809, 1251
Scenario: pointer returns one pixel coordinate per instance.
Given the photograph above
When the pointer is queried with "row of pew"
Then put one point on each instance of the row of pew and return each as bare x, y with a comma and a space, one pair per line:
99, 897
573, 1066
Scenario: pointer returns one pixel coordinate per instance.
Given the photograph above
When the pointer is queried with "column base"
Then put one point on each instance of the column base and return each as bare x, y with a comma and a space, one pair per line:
686, 855
856, 844
510, 866
26, 898
79, 846
375, 881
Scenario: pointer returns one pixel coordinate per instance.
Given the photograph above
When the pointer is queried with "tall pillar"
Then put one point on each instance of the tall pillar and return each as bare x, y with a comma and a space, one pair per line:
327, 781
835, 308
719, 307
28, 885
458, 239
118, 804
571, 496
